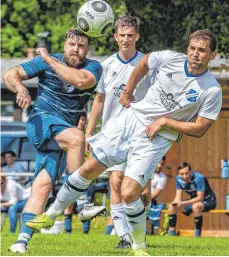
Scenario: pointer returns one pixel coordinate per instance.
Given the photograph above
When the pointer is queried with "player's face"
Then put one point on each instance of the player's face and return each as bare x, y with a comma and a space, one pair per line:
82, 123
185, 174
75, 50
199, 55
160, 166
9, 159
126, 38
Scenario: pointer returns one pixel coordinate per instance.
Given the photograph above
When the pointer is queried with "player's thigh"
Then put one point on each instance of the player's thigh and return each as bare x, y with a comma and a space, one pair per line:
70, 138
144, 156
209, 204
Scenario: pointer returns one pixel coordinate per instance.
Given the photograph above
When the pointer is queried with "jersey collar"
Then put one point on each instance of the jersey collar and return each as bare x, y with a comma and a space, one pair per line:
189, 74
130, 60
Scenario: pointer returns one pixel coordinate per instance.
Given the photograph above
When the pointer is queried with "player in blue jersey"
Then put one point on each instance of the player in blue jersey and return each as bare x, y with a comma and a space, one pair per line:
202, 198
65, 84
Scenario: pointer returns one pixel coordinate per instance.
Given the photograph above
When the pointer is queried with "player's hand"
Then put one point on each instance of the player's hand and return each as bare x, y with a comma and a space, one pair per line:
177, 204
126, 98
43, 52
23, 98
155, 127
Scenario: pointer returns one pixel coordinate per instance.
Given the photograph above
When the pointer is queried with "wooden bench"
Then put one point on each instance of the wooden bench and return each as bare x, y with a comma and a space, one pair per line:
211, 211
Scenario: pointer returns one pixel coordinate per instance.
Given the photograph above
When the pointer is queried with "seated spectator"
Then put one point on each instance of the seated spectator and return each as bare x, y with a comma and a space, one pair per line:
12, 165
13, 197
202, 198
158, 184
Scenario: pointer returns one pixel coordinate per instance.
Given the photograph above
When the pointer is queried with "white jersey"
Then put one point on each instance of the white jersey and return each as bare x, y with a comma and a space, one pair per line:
14, 192
177, 94
116, 73
159, 181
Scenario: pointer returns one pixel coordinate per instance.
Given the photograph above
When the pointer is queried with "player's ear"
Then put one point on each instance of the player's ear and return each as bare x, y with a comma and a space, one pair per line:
137, 36
213, 55
116, 37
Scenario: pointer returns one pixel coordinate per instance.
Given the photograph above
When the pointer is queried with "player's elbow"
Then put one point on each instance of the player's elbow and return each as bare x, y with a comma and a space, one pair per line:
85, 83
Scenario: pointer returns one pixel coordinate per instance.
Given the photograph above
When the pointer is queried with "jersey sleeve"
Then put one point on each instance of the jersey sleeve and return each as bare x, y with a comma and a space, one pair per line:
162, 183
157, 59
95, 68
34, 67
212, 104
200, 184
178, 186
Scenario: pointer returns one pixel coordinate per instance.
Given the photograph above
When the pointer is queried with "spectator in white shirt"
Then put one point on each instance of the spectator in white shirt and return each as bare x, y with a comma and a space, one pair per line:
13, 197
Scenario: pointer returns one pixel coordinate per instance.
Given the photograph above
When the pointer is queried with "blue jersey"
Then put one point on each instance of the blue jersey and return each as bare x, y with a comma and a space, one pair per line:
55, 96
198, 183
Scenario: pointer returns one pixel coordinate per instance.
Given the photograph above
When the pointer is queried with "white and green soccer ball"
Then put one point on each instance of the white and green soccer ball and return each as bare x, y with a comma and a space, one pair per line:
95, 18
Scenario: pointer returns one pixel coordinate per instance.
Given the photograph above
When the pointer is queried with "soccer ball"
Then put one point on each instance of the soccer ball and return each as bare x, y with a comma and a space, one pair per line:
95, 18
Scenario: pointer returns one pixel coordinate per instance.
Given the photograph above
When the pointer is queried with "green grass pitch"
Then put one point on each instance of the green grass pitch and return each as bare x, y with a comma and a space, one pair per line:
97, 244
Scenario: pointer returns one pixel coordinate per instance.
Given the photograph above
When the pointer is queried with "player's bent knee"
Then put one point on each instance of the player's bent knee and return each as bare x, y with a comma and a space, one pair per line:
115, 185
197, 207
77, 142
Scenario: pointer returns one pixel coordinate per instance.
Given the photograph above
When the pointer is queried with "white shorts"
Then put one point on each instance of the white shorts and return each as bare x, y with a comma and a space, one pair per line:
124, 140
119, 167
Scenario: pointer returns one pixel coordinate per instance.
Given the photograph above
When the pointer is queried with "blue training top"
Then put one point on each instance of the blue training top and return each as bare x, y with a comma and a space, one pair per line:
198, 183
55, 96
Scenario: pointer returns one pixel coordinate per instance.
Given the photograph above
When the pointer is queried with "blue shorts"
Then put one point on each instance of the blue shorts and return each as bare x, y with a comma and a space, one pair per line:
209, 204
41, 131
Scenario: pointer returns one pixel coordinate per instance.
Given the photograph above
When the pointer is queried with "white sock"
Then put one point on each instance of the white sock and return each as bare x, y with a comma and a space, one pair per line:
119, 219
136, 218
73, 188
82, 199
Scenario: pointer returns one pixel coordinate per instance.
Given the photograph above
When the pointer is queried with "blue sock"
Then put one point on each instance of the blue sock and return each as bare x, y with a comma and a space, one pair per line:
197, 232
68, 223
108, 229
172, 233
86, 226
25, 233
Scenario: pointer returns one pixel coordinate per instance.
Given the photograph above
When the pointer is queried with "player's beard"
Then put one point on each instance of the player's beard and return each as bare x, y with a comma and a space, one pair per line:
78, 60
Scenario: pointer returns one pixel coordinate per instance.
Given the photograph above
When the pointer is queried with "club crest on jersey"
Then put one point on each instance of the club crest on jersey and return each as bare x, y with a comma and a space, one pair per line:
192, 95
67, 88
118, 90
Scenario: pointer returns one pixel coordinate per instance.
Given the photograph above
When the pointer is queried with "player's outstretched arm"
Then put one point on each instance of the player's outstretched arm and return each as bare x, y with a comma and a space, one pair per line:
13, 81
138, 73
82, 78
194, 129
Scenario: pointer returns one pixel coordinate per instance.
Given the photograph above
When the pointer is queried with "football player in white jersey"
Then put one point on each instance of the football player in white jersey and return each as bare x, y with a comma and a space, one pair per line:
116, 72
184, 89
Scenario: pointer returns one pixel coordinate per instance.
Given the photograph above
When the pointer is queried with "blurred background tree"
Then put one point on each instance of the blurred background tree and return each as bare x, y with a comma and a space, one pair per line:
168, 23
165, 23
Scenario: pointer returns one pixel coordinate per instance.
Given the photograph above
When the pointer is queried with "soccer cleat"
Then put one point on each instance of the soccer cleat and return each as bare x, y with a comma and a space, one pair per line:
123, 244
18, 248
40, 221
91, 211
139, 252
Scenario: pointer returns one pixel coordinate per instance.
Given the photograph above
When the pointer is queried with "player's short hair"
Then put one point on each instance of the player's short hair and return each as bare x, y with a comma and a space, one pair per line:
128, 21
83, 114
10, 152
204, 34
184, 165
76, 32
